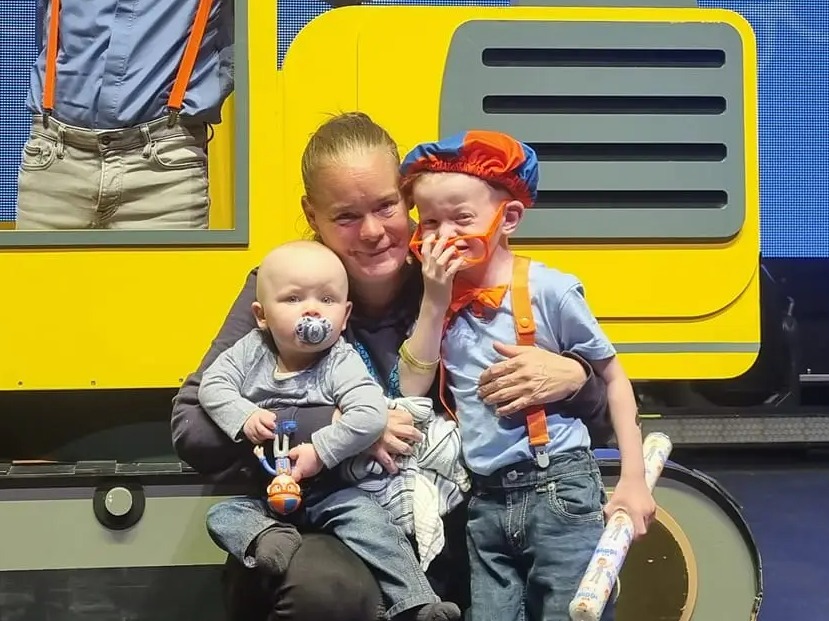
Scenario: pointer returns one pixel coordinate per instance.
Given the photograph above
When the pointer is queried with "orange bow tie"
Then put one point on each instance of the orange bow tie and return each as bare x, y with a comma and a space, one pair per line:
463, 295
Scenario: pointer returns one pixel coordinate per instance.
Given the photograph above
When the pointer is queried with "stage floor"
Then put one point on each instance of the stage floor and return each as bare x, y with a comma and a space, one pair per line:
787, 508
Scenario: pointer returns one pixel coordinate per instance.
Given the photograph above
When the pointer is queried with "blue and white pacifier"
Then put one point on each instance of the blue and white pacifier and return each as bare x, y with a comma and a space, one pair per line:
313, 330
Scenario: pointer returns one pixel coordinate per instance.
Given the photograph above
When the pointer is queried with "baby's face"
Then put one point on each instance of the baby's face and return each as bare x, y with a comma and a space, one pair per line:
307, 285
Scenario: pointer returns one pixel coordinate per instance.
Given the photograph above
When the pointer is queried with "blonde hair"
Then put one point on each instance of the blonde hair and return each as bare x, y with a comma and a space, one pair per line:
339, 137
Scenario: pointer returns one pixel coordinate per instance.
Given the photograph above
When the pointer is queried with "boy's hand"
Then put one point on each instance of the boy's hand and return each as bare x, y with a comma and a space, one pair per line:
259, 426
634, 498
307, 462
440, 264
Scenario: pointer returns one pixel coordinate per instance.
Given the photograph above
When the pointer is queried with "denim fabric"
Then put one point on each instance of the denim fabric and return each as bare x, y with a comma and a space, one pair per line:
233, 524
354, 518
531, 534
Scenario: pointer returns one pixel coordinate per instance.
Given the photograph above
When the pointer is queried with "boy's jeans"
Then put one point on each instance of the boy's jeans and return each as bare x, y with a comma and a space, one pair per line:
355, 518
531, 534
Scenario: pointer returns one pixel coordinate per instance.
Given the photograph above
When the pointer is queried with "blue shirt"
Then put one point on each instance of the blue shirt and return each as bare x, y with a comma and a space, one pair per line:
117, 61
563, 323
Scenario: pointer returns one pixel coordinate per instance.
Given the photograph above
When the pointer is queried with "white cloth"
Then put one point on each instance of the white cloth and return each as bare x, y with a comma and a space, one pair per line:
431, 482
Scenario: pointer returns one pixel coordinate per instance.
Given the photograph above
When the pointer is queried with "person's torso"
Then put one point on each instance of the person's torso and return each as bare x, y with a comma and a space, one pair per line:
271, 390
117, 61
491, 442
378, 338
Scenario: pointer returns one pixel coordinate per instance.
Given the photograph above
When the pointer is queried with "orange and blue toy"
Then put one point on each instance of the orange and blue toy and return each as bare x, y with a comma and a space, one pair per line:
284, 493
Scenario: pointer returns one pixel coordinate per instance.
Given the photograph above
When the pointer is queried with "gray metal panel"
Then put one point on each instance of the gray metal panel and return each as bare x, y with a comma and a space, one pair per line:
699, 100
237, 236
743, 429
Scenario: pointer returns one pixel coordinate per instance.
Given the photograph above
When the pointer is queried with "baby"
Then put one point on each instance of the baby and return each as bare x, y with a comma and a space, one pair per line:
297, 356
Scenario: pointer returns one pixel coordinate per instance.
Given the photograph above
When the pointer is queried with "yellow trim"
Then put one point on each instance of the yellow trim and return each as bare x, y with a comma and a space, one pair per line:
673, 527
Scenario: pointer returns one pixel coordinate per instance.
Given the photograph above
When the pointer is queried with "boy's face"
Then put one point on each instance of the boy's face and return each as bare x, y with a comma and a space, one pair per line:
312, 284
452, 205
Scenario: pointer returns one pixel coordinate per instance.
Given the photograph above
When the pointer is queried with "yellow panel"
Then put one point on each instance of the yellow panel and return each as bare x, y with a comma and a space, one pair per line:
716, 345
220, 168
143, 317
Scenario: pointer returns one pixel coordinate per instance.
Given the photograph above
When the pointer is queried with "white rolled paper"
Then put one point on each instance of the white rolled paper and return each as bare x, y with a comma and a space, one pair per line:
603, 569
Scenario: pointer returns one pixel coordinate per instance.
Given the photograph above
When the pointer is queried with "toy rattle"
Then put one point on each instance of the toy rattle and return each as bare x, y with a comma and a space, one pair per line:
284, 495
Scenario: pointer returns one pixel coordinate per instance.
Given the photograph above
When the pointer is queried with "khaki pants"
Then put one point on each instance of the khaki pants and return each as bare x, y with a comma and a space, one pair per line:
147, 177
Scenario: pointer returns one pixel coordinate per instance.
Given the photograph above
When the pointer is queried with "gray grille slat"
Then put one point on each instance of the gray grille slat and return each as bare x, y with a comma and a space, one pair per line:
657, 176
602, 35
664, 81
604, 127
568, 224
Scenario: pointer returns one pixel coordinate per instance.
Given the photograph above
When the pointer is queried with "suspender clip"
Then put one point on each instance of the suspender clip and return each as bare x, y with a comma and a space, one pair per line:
542, 459
172, 118
47, 114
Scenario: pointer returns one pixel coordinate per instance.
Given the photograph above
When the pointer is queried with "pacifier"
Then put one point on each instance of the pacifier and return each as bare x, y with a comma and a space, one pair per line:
313, 330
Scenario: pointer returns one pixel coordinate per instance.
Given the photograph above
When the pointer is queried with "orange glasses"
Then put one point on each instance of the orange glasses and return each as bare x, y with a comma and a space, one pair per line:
484, 238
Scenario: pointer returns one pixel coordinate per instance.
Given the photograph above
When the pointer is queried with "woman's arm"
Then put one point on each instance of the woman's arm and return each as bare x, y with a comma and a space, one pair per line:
589, 403
197, 439
533, 376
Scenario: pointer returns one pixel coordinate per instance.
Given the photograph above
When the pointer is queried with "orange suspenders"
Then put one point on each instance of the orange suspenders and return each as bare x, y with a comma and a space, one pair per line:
185, 68
522, 316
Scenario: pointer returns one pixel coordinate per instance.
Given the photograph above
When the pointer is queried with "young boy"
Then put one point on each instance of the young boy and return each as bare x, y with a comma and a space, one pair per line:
536, 514
297, 356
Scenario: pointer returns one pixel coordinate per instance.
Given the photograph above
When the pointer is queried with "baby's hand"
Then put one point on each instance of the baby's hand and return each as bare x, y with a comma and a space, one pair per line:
307, 462
634, 498
259, 426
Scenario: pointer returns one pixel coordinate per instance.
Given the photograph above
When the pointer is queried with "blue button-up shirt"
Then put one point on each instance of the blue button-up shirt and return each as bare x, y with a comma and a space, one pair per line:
117, 61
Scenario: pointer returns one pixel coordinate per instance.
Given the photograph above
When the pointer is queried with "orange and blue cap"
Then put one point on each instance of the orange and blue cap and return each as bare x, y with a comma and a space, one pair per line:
495, 157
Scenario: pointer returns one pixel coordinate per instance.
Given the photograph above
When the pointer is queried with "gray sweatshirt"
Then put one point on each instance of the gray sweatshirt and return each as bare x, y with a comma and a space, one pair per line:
243, 379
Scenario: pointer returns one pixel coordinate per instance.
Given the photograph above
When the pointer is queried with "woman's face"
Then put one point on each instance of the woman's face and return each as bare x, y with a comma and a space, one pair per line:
359, 213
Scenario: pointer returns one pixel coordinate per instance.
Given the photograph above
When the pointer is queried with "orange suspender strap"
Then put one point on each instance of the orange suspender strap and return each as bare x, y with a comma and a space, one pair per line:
188, 60
51, 61
522, 314
185, 68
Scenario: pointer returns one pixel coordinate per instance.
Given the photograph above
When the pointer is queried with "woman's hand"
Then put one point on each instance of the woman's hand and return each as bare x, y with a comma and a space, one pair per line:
440, 264
398, 438
530, 376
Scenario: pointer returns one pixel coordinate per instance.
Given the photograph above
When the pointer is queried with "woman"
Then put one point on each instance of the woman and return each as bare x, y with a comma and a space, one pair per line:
353, 205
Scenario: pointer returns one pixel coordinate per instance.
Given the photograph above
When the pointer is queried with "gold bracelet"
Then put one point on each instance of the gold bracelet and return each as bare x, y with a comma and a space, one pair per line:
414, 363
